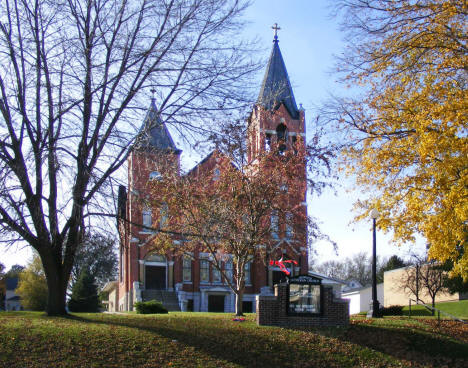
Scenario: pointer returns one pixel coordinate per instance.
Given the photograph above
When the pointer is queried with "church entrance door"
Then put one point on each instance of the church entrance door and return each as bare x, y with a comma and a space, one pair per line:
216, 303
155, 277
278, 276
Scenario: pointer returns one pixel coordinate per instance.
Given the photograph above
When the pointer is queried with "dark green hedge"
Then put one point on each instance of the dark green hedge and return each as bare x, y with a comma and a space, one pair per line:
150, 307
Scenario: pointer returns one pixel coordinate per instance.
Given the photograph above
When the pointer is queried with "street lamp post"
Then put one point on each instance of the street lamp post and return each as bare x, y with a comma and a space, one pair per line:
375, 303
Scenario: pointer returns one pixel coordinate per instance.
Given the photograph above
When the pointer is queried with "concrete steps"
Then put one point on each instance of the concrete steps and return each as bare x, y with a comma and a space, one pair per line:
168, 298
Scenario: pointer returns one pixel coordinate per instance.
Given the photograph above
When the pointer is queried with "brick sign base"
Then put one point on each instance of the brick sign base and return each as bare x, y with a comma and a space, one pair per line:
272, 310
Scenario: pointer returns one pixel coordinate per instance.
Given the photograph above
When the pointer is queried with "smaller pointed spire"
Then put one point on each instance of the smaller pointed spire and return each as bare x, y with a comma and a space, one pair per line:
154, 133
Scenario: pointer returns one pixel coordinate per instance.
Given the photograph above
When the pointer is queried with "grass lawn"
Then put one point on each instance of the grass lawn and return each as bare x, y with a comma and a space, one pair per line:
458, 309
30, 339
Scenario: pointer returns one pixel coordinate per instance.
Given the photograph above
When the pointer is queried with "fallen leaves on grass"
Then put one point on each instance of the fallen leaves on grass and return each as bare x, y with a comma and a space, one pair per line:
212, 340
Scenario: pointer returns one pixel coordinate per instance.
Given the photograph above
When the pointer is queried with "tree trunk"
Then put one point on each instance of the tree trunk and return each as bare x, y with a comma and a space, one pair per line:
239, 297
433, 305
56, 284
56, 299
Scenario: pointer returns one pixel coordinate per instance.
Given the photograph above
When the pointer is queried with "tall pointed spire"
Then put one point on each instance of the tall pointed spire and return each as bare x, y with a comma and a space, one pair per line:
276, 88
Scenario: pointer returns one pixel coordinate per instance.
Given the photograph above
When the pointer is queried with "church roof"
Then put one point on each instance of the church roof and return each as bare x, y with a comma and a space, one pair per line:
154, 133
276, 88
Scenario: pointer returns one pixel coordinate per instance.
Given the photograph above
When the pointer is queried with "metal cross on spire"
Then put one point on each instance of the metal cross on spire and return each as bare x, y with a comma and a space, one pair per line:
276, 29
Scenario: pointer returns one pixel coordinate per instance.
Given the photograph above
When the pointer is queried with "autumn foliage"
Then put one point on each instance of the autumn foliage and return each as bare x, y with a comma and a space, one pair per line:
407, 131
225, 210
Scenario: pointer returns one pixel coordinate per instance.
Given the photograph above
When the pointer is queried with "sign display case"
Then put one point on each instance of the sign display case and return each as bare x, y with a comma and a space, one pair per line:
304, 295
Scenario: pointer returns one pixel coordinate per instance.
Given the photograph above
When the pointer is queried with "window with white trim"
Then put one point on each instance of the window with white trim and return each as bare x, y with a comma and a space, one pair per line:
247, 268
187, 268
216, 274
228, 269
147, 219
204, 270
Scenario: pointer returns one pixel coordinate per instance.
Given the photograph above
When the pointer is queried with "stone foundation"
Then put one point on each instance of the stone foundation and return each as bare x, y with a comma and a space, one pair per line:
272, 310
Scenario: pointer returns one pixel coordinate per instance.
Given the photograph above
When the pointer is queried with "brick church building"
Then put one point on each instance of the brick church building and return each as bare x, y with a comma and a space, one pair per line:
192, 284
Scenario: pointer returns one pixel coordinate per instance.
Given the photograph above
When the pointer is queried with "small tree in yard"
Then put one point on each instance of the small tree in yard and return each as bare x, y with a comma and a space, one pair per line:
424, 276
32, 286
228, 213
96, 254
84, 296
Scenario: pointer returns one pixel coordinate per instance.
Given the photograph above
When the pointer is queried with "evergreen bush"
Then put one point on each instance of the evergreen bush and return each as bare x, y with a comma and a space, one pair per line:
150, 307
84, 296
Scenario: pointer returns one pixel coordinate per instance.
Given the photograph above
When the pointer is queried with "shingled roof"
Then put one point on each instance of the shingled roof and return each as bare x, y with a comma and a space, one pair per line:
154, 134
276, 88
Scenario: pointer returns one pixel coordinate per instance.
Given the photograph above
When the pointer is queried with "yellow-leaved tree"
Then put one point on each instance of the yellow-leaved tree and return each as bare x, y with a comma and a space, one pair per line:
406, 119
32, 286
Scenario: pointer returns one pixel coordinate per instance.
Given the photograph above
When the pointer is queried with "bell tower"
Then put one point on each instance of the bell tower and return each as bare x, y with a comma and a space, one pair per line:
153, 152
277, 121
275, 116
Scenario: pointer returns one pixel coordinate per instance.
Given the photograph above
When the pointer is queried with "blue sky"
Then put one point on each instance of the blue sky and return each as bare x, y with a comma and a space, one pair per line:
309, 39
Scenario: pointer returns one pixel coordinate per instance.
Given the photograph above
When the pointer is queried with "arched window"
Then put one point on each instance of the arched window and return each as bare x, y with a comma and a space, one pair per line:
282, 132
282, 136
267, 142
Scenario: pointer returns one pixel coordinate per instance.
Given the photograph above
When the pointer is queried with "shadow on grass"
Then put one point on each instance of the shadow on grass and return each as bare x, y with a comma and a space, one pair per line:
409, 342
239, 343
264, 347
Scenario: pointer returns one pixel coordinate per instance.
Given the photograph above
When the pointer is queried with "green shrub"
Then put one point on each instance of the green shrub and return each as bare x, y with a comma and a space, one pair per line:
393, 310
84, 296
150, 307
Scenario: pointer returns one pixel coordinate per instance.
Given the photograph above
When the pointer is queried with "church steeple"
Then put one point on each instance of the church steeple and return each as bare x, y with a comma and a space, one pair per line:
154, 133
276, 88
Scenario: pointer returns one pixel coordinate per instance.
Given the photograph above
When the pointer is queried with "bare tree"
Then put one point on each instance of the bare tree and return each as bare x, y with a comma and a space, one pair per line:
411, 280
424, 277
356, 267
72, 77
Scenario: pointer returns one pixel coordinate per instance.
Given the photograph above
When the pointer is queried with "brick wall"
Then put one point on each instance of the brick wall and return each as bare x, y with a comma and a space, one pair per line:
272, 310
